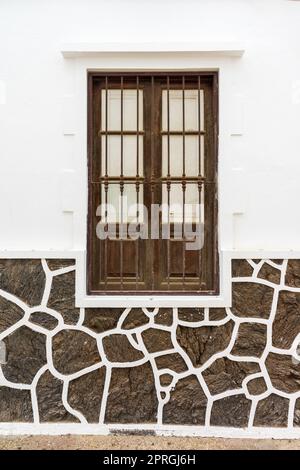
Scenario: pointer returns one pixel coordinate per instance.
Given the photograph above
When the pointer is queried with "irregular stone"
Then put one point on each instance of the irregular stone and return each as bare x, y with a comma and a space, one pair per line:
241, 268
24, 278
118, 349
231, 411
135, 318
132, 396
286, 325
297, 413
292, 277
85, 394
10, 314
157, 340
62, 297
164, 316
171, 361
102, 319
216, 314
269, 273
26, 354
165, 379
272, 411
44, 319
251, 340
191, 314
55, 264
202, 343
74, 350
225, 374
277, 261
187, 404
284, 372
250, 299
49, 396
257, 386
15, 405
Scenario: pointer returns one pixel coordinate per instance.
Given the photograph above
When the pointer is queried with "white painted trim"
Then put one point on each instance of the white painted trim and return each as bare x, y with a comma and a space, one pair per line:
77, 50
159, 430
152, 301
39, 254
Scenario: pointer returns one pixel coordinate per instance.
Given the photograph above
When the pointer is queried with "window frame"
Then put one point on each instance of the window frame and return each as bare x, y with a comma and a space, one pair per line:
214, 75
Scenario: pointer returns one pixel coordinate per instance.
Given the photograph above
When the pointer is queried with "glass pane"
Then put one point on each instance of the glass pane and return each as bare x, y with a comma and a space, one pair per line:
114, 110
176, 155
176, 110
192, 210
129, 155
128, 201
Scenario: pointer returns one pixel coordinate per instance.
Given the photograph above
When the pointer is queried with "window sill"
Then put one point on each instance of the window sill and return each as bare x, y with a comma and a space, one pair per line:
77, 50
152, 301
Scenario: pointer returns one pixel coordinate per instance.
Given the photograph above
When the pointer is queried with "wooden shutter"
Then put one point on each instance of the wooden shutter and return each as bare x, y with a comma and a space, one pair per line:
153, 140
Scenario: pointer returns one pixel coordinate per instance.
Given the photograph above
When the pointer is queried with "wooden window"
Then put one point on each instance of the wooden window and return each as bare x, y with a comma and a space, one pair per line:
152, 144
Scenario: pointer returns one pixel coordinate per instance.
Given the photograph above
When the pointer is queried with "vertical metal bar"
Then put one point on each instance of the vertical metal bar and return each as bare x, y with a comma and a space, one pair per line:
168, 182
152, 176
121, 189
137, 242
183, 182
199, 175
106, 183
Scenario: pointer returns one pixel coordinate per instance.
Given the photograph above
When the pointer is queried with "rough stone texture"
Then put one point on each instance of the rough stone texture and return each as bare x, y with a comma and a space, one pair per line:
166, 379
250, 299
225, 374
157, 340
54, 264
23, 278
201, 343
251, 340
49, 396
272, 411
286, 325
15, 405
297, 413
74, 350
292, 277
62, 297
257, 386
187, 404
10, 314
85, 394
216, 314
102, 319
132, 396
135, 318
171, 361
269, 273
241, 268
191, 314
164, 317
231, 411
118, 349
284, 372
26, 354
44, 319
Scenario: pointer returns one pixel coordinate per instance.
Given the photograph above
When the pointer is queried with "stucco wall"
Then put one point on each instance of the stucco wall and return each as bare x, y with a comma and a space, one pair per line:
38, 212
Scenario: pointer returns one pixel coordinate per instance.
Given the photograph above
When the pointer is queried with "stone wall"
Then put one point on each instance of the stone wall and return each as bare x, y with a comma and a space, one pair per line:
234, 367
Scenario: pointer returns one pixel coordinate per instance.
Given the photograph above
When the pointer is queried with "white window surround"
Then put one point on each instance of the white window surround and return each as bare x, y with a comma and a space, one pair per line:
82, 58
78, 60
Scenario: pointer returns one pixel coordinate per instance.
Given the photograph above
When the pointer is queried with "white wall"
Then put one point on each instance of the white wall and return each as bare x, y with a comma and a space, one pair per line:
36, 83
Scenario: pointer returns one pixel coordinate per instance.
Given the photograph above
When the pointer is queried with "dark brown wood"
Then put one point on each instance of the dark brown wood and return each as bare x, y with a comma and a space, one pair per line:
152, 266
